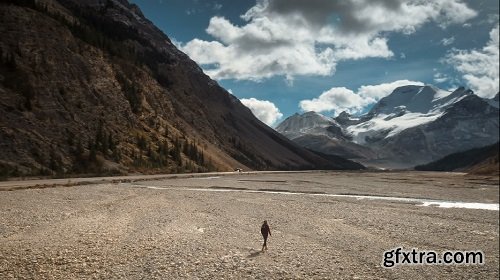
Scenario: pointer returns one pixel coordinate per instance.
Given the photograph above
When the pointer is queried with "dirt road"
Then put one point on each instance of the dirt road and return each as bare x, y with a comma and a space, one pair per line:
165, 229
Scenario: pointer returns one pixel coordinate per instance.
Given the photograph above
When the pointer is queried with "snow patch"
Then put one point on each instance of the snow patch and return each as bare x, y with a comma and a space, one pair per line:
441, 94
389, 125
419, 201
466, 205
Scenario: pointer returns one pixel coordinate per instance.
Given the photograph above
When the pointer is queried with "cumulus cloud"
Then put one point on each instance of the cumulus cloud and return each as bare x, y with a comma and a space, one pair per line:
336, 99
264, 110
259, 50
479, 68
377, 92
295, 37
340, 99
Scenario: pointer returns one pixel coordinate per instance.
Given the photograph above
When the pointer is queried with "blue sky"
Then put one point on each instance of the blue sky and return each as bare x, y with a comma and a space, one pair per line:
286, 56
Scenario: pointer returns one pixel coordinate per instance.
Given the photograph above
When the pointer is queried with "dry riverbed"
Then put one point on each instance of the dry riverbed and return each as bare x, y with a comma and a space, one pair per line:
209, 227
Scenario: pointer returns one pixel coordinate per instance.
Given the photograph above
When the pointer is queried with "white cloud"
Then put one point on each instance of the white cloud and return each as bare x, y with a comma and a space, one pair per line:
340, 99
256, 51
448, 41
376, 92
440, 78
293, 37
479, 68
336, 99
177, 44
264, 110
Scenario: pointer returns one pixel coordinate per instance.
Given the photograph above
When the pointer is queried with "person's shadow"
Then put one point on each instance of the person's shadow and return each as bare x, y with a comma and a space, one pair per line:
254, 254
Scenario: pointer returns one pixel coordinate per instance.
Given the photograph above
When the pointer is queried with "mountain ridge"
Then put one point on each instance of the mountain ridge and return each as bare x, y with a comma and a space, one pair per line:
483, 160
94, 87
412, 125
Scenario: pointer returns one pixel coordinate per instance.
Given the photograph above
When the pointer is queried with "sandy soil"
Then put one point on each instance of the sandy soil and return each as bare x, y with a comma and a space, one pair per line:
163, 229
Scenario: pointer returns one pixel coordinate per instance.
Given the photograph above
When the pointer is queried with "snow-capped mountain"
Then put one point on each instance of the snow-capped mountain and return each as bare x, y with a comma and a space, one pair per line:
323, 134
310, 123
417, 99
405, 107
412, 125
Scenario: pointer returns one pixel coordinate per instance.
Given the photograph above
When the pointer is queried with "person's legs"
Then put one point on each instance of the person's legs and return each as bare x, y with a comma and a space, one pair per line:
265, 243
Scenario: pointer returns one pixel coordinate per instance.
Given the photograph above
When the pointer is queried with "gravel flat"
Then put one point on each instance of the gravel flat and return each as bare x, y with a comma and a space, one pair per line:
170, 229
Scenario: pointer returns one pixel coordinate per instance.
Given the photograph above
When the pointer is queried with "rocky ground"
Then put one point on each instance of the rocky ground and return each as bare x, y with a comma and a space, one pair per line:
165, 229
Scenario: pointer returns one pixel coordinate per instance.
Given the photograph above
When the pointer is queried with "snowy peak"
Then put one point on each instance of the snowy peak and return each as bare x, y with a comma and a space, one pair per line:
309, 119
412, 98
311, 115
417, 99
345, 119
311, 123
410, 126
444, 99
471, 105
404, 108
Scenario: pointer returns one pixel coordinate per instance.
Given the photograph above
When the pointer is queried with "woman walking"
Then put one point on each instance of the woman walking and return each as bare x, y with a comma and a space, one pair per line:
265, 230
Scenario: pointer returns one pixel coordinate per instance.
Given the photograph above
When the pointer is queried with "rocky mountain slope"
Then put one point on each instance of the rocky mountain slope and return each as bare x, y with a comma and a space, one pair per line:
412, 125
319, 133
482, 160
92, 86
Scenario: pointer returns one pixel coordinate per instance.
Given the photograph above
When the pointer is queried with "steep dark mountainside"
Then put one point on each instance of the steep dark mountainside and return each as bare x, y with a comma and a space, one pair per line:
410, 126
479, 161
92, 86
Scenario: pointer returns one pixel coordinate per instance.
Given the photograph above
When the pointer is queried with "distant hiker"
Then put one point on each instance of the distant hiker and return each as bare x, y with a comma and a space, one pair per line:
265, 230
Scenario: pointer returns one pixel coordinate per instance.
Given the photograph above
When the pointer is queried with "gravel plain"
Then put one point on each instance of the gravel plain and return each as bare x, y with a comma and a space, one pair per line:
209, 228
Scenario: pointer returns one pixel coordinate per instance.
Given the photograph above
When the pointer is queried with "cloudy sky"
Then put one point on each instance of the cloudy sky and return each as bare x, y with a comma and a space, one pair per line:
286, 56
